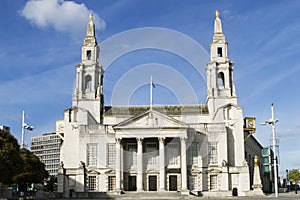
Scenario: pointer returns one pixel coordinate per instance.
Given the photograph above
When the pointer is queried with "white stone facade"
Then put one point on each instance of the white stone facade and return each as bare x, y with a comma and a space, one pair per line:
196, 148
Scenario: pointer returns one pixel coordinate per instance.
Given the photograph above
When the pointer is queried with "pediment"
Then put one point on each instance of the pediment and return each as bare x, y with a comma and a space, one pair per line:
151, 120
93, 171
195, 170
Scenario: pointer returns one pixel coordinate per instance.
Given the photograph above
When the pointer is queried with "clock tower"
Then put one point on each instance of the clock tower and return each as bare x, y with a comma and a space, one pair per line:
88, 93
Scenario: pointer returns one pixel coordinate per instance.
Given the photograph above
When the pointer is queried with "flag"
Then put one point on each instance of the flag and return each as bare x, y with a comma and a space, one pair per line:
26, 126
153, 85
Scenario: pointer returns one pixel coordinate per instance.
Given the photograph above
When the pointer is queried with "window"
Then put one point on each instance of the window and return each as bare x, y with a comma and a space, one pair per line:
220, 52
265, 151
151, 153
131, 154
213, 182
193, 154
221, 80
213, 153
88, 82
92, 183
92, 154
111, 183
193, 183
111, 154
172, 152
89, 54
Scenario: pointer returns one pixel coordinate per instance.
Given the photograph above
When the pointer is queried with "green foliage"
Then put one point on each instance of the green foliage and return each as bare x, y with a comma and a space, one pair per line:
33, 169
18, 165
10, 159
51, 184
294, 175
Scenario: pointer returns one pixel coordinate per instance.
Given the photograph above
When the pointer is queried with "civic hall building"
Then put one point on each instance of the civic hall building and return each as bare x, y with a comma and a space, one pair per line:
189, 149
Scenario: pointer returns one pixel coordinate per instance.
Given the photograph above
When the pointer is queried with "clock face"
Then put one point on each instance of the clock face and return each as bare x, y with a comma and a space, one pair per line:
60, 127
250, 124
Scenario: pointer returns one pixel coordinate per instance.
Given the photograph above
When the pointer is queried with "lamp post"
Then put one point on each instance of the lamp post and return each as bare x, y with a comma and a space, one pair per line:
272, 121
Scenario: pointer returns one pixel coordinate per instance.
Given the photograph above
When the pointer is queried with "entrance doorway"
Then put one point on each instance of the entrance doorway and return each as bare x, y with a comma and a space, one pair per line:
132, 183
152, 183
173, 183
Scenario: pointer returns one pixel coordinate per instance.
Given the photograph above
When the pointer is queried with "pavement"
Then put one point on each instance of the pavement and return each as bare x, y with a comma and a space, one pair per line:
167, 196
164, 196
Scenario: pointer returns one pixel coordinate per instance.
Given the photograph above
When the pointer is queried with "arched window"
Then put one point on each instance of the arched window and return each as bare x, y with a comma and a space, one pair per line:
89, 54
88, 82
221, 80
220, 53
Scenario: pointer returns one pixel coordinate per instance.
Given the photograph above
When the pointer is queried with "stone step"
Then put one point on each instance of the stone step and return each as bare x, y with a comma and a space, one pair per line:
152, 195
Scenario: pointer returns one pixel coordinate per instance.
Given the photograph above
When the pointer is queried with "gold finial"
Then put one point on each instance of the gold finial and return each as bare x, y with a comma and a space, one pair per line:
255, 161
91, 17
217, 14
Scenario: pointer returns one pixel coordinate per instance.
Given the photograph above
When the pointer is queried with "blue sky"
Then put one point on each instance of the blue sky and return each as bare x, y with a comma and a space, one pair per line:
40, 45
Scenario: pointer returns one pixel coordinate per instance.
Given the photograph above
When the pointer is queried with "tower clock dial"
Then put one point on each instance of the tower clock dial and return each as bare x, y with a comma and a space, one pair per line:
250, 124
60, 127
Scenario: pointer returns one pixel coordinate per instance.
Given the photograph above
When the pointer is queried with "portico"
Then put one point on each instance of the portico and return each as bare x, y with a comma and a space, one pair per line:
149, 150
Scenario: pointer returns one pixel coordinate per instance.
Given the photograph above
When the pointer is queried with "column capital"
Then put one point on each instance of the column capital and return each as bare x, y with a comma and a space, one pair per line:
161, 139
183, 139
140, 140
118, 140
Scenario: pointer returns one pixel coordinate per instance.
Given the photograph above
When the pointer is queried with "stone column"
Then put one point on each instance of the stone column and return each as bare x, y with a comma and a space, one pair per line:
118, 165
162, 174
139, 178
184, 189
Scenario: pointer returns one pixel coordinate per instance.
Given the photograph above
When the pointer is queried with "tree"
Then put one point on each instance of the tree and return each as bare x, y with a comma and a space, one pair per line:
33, 170
10, 159
51, 184
294, 176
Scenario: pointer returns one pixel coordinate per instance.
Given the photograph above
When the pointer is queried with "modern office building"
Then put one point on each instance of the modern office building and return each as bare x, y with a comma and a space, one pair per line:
47, 148
5, 128
185, 148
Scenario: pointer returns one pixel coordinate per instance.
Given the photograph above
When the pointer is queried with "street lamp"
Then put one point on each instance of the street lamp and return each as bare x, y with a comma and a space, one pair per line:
24, 126
272, 121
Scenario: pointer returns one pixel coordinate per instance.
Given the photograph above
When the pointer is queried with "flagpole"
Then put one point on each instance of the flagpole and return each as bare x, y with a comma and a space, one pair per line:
151, 84
23, 130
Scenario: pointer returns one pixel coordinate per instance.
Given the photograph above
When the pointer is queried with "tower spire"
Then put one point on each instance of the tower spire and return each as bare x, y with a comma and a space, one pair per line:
218, 23
90, 34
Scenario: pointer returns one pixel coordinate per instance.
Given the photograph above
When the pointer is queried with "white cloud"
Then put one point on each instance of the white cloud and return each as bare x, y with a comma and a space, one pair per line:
62, 16
289, 133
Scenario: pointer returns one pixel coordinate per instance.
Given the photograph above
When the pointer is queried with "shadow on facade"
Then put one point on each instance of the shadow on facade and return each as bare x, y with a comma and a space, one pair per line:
230, 146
